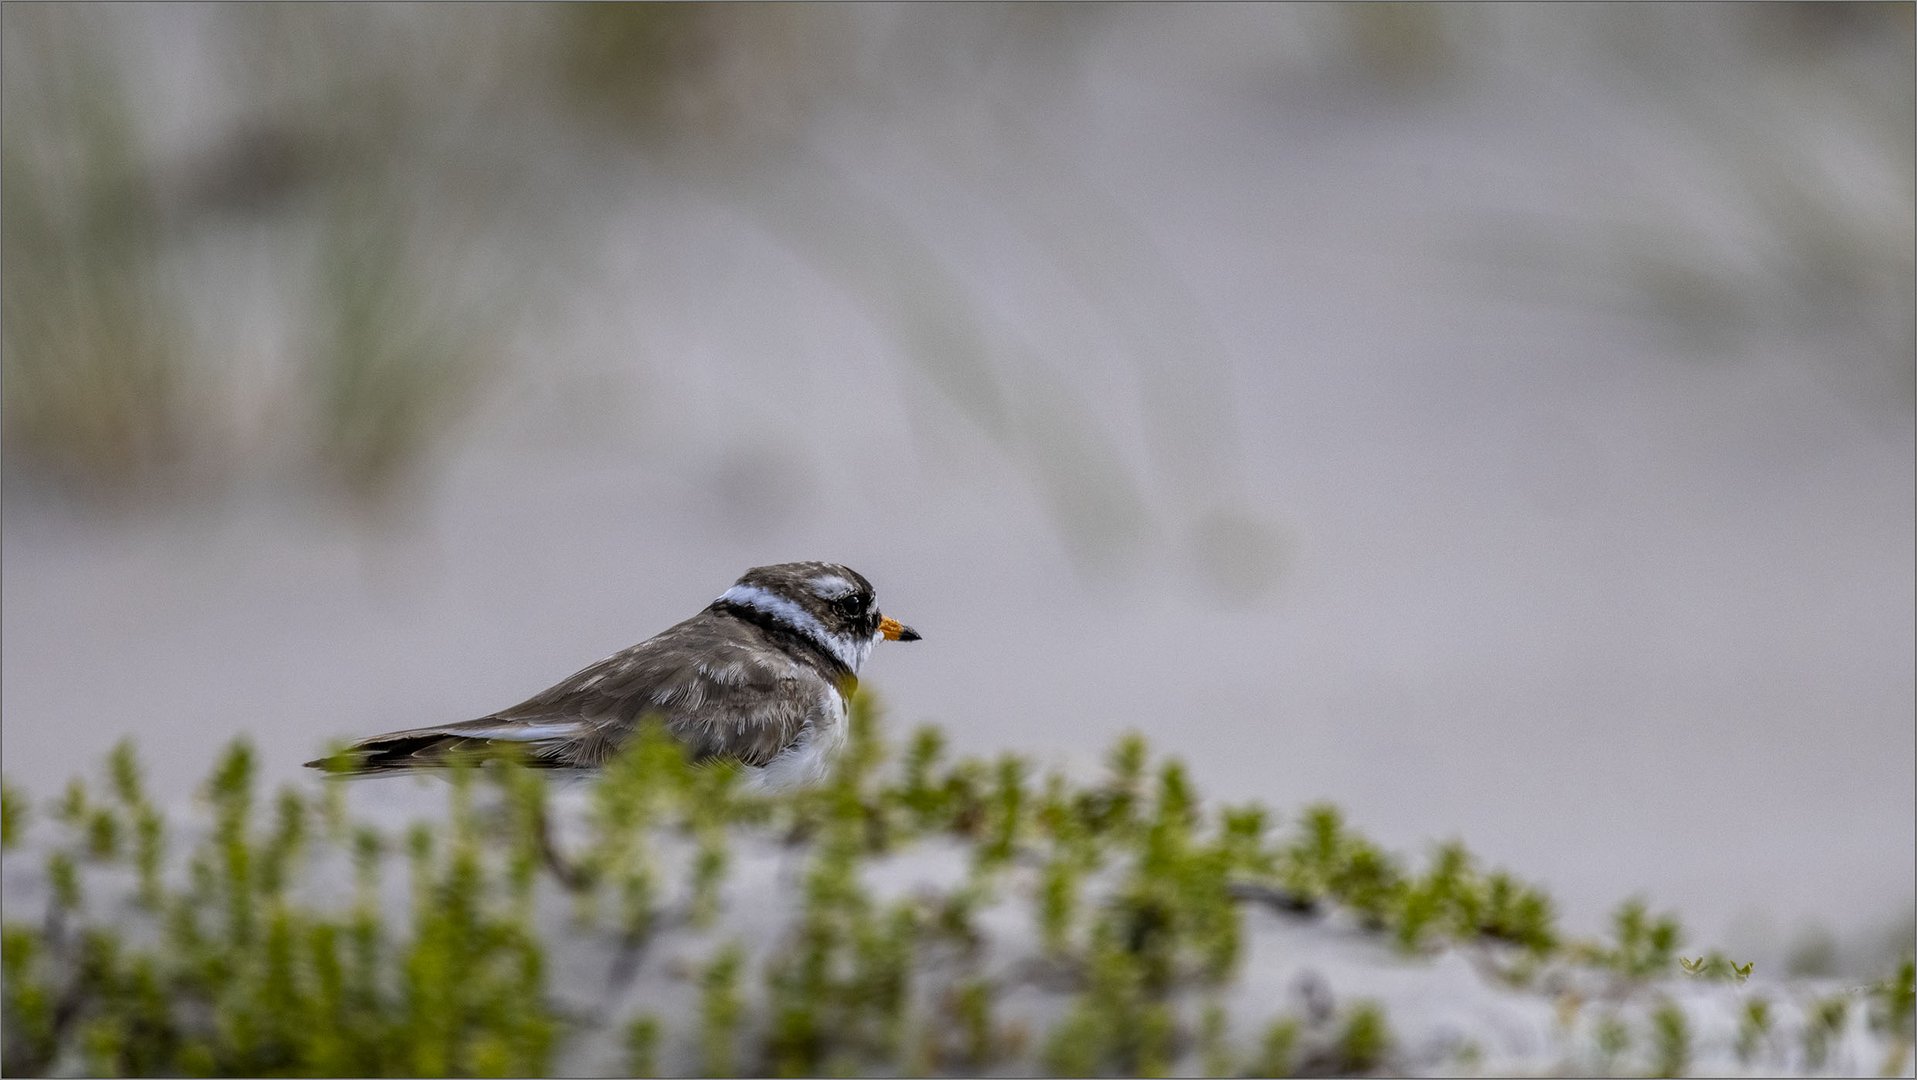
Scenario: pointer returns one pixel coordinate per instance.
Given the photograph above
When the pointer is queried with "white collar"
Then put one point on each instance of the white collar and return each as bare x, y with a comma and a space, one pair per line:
848, 651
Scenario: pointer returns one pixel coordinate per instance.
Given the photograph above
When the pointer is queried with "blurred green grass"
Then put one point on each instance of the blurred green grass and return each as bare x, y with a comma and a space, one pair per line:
97, 390
118, 380
393, 357
120, 372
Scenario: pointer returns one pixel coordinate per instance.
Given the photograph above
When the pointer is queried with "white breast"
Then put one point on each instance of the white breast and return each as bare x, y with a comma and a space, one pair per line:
809, 760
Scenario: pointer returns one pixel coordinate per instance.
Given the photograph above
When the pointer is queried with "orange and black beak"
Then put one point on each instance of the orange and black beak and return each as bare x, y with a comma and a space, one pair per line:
894, 630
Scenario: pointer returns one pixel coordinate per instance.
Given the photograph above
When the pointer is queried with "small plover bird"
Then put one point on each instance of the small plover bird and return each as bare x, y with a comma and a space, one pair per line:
760, 677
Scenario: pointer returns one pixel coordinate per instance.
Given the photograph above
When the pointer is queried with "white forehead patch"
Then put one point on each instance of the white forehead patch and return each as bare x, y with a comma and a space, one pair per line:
831, 586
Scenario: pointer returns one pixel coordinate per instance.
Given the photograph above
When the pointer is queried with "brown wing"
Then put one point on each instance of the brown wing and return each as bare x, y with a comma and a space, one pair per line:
709, 679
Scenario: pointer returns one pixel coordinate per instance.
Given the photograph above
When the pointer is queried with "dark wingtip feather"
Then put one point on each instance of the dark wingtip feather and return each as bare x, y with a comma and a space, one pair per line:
343, 763
407, 752
379, 754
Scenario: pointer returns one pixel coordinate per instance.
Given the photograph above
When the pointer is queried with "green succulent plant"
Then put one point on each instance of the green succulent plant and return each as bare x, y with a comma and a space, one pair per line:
239, 957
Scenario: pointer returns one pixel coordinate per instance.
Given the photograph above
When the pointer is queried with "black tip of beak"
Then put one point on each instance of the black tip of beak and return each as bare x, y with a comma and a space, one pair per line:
906, 633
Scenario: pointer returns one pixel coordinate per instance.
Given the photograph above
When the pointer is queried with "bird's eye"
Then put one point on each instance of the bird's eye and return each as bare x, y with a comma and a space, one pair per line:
850, 604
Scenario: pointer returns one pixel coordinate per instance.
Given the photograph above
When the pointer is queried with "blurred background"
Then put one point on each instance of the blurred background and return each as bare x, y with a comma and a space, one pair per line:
1497, 419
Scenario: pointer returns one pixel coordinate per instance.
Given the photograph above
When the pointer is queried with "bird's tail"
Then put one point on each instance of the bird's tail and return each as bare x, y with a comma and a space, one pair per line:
443, 747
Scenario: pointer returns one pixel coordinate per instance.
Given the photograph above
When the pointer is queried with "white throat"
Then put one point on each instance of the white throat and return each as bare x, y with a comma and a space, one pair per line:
850, 651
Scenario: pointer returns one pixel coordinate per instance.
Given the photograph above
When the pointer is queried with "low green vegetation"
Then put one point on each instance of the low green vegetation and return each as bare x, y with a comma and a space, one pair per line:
272, 944
1893, 1012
